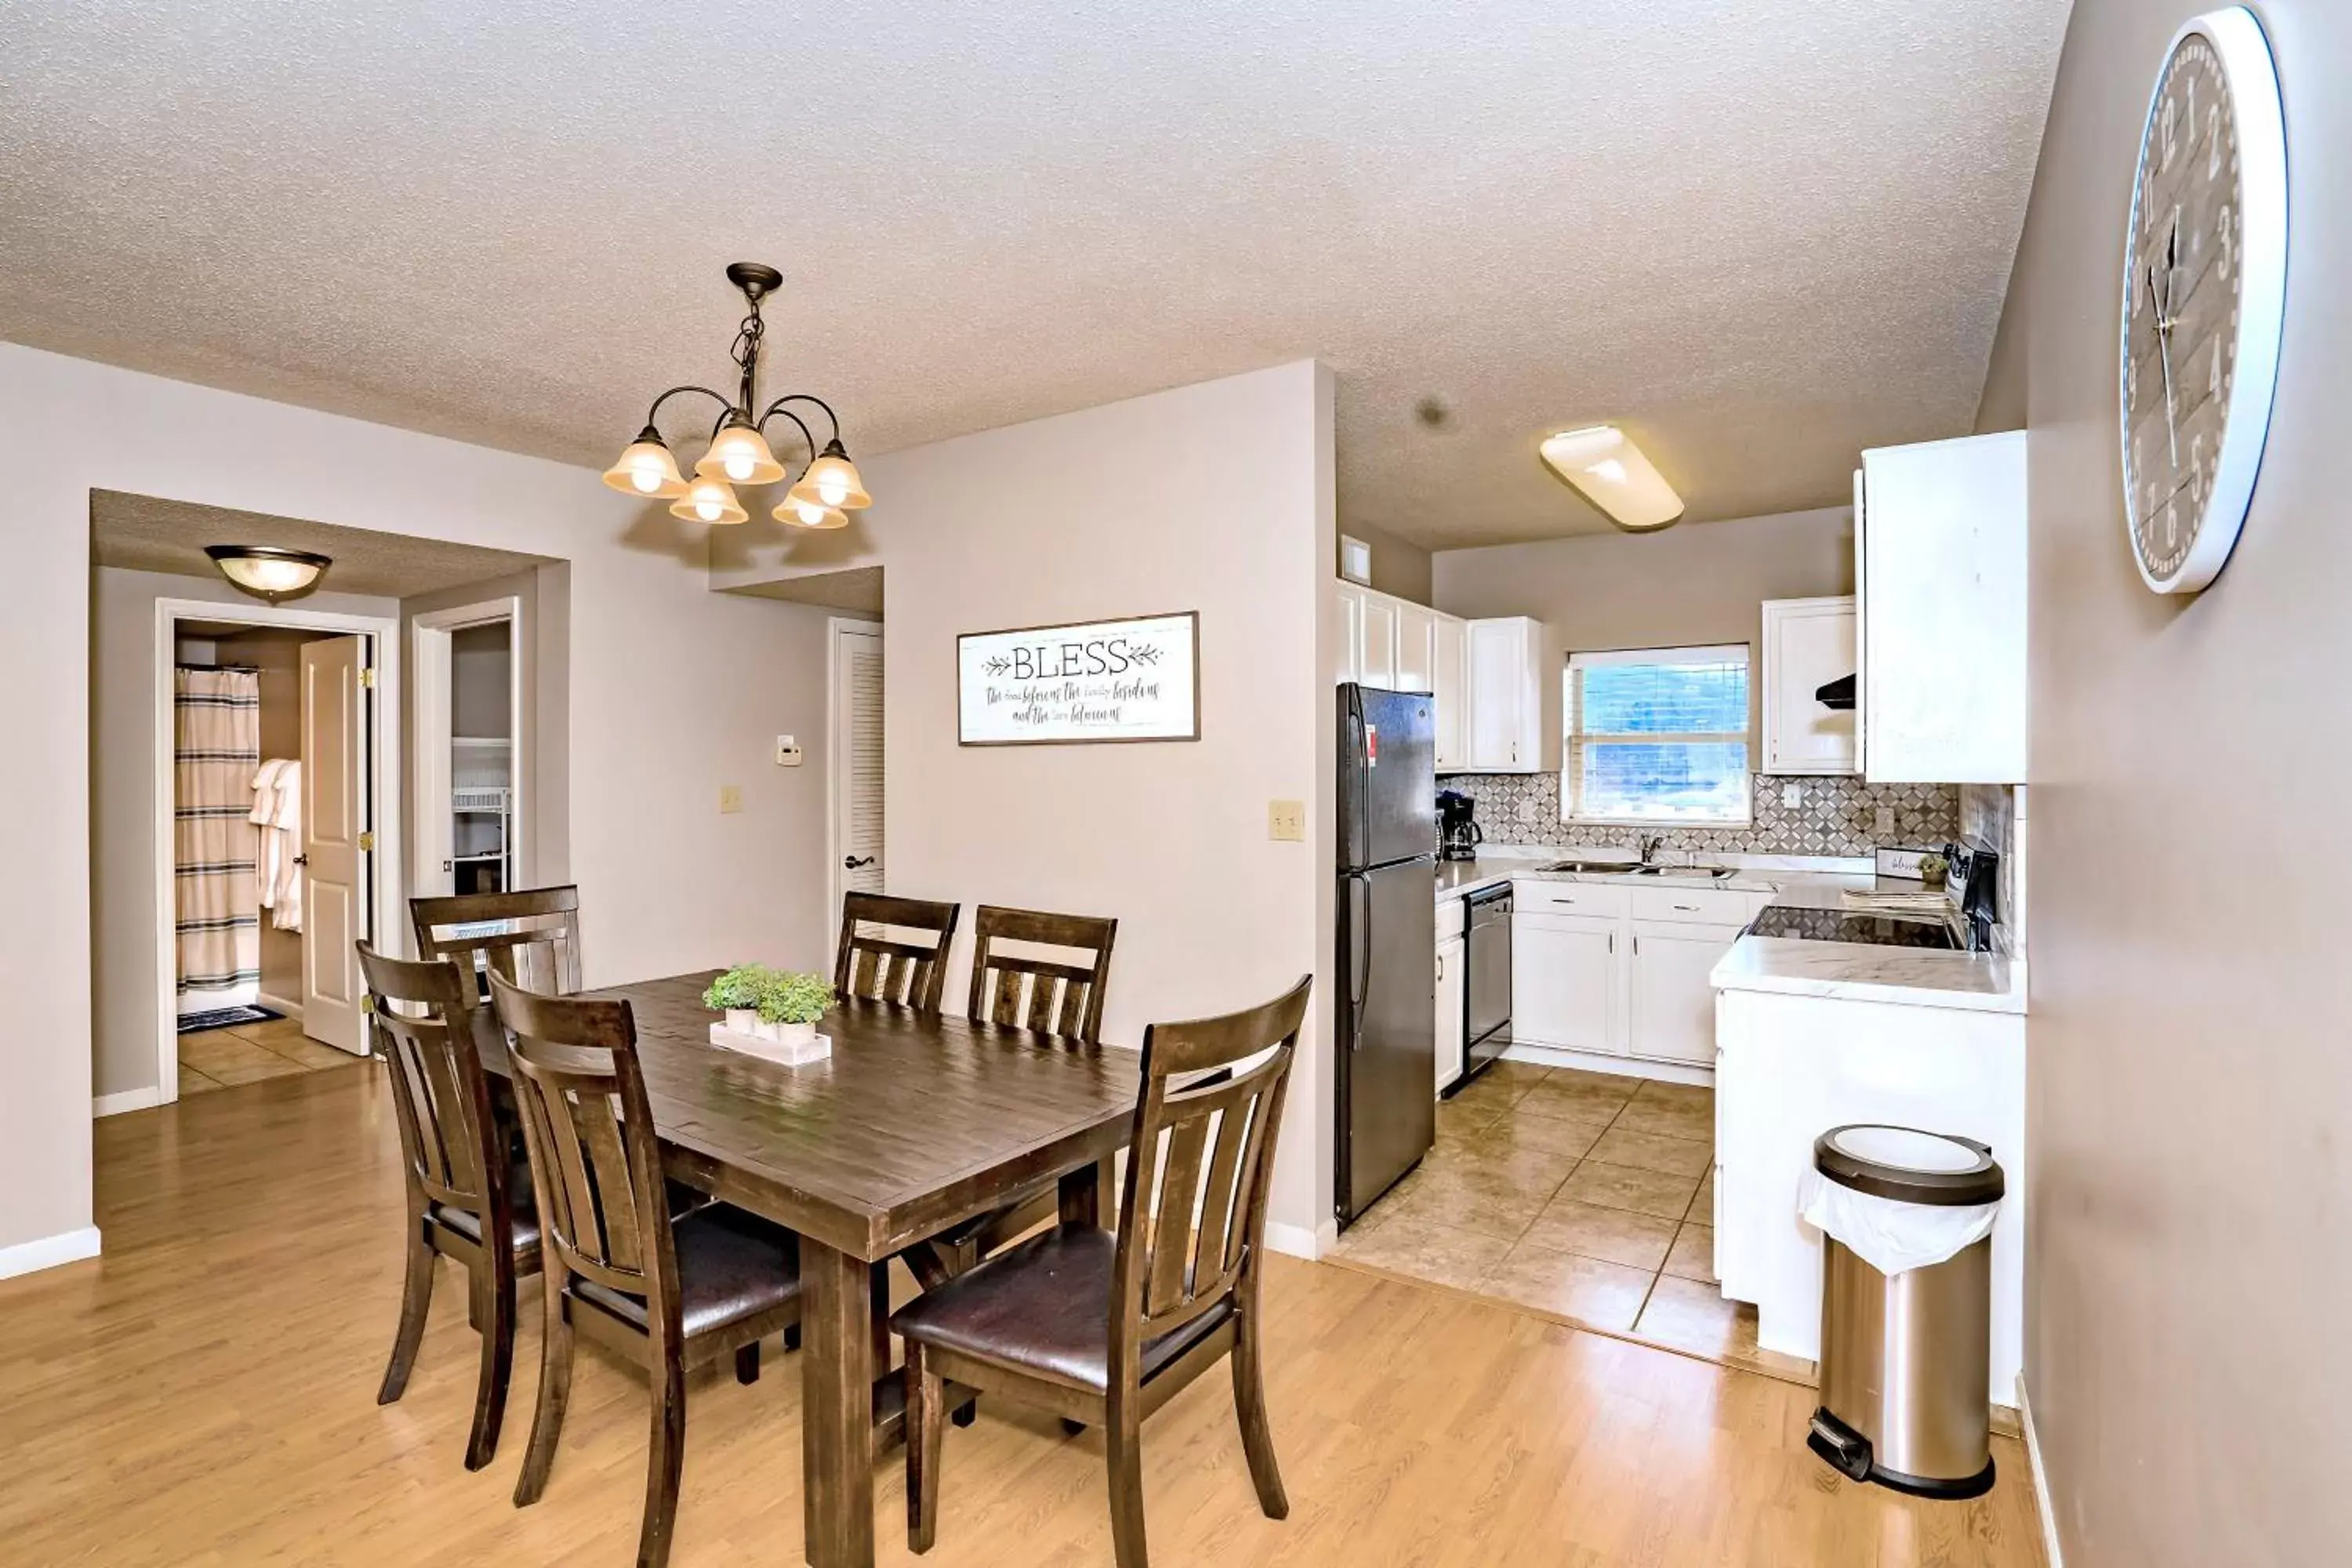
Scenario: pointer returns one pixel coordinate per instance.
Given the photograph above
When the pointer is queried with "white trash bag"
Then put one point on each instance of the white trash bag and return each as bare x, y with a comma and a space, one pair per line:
1889, 1234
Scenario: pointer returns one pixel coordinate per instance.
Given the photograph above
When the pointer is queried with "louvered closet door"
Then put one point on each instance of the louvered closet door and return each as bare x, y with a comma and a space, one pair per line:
857, 763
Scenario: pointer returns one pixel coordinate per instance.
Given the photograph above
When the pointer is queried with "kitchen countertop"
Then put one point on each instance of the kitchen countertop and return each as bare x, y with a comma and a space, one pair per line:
1976, 982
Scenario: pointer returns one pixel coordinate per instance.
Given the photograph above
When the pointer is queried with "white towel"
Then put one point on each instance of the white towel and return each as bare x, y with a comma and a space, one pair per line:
286, 826
265, 807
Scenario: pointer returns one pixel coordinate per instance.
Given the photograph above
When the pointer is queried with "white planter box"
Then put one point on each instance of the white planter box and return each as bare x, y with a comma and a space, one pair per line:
787, 1044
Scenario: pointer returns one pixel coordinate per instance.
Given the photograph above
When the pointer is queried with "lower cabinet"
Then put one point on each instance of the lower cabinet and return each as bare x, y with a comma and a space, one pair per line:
1565, 989
1671, 1016
1451, 954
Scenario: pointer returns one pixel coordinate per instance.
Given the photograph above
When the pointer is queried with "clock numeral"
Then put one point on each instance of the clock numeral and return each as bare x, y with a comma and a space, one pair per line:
2213, 154
2169, 121
2225, 239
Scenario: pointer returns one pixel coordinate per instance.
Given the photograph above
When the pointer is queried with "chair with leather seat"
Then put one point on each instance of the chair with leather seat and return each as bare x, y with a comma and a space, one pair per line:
462, 1180
871, 966
669, 1294
1023, 990
1103, 1330
531, 936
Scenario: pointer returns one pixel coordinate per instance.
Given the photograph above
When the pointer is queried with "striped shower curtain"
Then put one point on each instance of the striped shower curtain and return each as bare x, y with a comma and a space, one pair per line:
217, 749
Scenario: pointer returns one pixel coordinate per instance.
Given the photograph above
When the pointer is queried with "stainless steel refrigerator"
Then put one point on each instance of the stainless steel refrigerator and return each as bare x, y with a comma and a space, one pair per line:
1387, 951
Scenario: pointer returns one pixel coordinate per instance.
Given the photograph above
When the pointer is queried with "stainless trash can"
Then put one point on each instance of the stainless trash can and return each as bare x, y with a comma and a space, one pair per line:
1906, 1356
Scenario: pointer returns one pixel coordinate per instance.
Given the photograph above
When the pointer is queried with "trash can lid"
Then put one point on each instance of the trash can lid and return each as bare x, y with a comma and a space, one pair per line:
1908, 1165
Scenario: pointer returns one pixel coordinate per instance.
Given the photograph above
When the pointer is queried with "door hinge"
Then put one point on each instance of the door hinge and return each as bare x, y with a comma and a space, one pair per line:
367, 843
367, 677
367, 1001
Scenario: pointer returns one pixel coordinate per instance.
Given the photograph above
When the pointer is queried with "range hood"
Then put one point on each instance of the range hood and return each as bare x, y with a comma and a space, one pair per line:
1836, 694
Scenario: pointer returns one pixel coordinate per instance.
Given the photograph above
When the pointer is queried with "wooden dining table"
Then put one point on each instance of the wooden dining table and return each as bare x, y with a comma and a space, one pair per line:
913, 1123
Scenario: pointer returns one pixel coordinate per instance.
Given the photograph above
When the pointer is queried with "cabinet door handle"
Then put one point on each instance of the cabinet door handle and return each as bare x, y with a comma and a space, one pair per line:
1441, 969
1637, 945
1687, 908
1612, 941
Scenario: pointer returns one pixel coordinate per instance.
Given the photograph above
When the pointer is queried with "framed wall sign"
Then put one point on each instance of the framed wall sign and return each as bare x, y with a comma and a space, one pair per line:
1132, 679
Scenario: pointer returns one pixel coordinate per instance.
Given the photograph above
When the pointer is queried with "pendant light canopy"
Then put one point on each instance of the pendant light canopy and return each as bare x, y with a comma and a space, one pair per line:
266, 572
739, 453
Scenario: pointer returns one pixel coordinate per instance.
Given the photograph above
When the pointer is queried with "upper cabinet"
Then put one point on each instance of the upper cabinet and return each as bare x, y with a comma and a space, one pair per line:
1449, 679
1505, 710
1808, 643
1376, 648
1939, 566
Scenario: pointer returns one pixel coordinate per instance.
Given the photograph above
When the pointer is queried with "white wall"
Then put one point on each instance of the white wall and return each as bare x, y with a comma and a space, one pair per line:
674, 690
1214, 498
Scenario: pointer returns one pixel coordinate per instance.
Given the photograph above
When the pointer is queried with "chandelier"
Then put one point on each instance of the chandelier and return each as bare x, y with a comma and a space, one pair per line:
828, 489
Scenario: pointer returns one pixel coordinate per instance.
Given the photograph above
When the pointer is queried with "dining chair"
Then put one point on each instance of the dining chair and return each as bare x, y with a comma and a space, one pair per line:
531, 936
1052, 996
462, 1181
1102, 1329
871, 966
669, 1294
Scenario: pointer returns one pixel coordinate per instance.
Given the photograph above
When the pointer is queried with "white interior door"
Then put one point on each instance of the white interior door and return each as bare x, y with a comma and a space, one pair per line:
335, 839
856, 737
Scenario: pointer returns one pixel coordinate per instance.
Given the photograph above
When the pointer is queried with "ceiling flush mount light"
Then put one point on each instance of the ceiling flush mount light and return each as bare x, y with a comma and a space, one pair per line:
738, 452
266, 572
1603, 461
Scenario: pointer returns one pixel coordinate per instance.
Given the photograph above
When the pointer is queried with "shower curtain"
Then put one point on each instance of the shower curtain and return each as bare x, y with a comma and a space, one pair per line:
216, 747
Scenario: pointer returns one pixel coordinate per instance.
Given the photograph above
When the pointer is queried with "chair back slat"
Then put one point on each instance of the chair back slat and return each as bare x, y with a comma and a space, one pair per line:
595, 1159
1192, 1212
530, 938
873, 967
422, 1022
1028, 992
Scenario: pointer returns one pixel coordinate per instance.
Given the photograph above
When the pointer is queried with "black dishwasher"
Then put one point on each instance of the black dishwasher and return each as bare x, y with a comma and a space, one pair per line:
1486, 990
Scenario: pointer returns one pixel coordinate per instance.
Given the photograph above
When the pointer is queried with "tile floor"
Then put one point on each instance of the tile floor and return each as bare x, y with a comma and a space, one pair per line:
216, 1058
1583, 1195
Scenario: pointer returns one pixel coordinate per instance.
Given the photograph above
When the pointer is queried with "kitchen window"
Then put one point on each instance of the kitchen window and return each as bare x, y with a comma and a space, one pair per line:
1656, 736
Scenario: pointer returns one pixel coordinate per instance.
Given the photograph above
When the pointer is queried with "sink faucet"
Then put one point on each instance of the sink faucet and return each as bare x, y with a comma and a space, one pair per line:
1651, 844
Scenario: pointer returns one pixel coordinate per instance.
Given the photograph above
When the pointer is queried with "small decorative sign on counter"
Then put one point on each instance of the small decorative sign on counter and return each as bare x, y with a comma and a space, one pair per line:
1132, 679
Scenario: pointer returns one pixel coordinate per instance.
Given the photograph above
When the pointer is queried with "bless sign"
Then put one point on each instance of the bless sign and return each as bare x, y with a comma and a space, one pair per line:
1135, 679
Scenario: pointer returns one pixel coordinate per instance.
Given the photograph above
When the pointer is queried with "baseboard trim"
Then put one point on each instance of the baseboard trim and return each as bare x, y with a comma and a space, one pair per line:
48, 1252
1598, 1061
126, 1100
287, 1006
2043, 1506
1298, 1241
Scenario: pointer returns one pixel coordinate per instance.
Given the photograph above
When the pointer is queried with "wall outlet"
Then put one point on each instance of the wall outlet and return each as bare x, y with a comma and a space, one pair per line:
788, 752
1886, 822
1793, 795
730, 798
1287, 820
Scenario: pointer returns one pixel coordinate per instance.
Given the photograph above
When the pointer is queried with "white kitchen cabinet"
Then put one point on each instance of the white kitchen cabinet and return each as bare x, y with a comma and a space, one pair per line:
1449, 681
1566, 985
1347, 630
1376, 643
1807, 644
1506, 717
1416, 646
1451, 954
1940, 569
1670, 1012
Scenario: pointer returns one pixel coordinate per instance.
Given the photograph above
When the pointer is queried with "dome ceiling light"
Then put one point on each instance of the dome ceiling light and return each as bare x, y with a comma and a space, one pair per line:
822, 494
267, 572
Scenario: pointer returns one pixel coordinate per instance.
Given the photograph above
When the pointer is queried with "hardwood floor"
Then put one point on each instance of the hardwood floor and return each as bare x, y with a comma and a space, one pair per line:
204, 1394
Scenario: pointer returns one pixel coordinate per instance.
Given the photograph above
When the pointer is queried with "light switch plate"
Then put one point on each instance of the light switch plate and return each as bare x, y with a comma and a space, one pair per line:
788, 752
1286, 820
730, 798
1793, 795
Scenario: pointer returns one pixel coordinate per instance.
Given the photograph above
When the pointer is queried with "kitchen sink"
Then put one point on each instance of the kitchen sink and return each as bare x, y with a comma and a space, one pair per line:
1594, 868
1688, 873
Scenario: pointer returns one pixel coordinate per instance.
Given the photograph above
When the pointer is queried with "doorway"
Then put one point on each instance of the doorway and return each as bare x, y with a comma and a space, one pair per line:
272, 747
471, 782
854, 779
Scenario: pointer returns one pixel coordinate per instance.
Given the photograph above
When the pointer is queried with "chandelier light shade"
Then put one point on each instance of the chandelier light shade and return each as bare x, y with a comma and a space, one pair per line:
648, 469
801, 513
267, 572
708, 500
831, 481
822, 494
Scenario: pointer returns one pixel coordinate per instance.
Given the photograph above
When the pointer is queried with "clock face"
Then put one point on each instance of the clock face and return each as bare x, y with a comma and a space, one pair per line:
2203, 283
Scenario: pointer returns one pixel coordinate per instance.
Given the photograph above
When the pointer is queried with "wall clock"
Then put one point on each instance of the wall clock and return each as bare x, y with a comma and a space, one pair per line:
2204, 299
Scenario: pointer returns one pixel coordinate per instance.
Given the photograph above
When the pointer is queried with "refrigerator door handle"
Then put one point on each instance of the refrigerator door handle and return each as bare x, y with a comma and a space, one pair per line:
1359, 953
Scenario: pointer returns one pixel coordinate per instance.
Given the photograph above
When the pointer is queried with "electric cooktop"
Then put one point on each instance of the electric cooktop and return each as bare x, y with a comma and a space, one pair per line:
1838, 925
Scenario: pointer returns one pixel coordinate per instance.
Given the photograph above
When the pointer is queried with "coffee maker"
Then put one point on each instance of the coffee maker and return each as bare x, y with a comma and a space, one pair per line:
1457, 836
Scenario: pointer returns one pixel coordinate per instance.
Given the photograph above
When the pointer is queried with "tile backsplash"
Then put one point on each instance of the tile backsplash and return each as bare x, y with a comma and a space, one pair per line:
1838, 816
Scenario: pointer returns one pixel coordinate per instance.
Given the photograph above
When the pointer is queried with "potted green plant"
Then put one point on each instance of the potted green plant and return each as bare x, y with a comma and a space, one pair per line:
736, 993
790, 1006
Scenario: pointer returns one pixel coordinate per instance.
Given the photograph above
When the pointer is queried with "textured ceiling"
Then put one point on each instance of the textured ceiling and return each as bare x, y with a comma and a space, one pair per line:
148, 534
1763, 233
